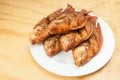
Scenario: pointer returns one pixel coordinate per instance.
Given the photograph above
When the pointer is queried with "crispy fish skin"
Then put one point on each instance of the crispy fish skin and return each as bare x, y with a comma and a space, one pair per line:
80, 54
40, 27
52, 45
74, 38
72, 21
89, 28
40, 32
70, 40
89, 48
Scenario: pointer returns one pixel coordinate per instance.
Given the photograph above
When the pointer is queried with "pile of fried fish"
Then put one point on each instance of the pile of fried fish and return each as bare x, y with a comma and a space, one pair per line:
69, 29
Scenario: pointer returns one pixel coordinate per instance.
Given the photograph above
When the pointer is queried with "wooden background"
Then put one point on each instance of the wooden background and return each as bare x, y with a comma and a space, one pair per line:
17, 18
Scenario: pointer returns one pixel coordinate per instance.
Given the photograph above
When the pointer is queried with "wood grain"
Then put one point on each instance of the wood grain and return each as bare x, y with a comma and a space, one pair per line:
17, 18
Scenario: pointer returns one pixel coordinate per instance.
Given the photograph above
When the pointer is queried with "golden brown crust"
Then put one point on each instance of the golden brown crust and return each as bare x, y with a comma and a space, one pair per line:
88, 48
35, 38
74, 38
57, 23
69, 22
70, 40
80, 54
40, 31
52, 45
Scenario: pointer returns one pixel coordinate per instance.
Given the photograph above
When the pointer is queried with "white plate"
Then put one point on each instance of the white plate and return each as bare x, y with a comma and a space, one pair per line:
63, 64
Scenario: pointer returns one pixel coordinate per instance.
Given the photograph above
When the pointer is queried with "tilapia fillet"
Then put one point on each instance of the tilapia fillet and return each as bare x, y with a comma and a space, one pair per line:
89, 48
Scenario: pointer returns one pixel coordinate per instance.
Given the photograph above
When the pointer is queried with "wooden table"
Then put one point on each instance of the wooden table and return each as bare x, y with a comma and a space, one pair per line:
17, 18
